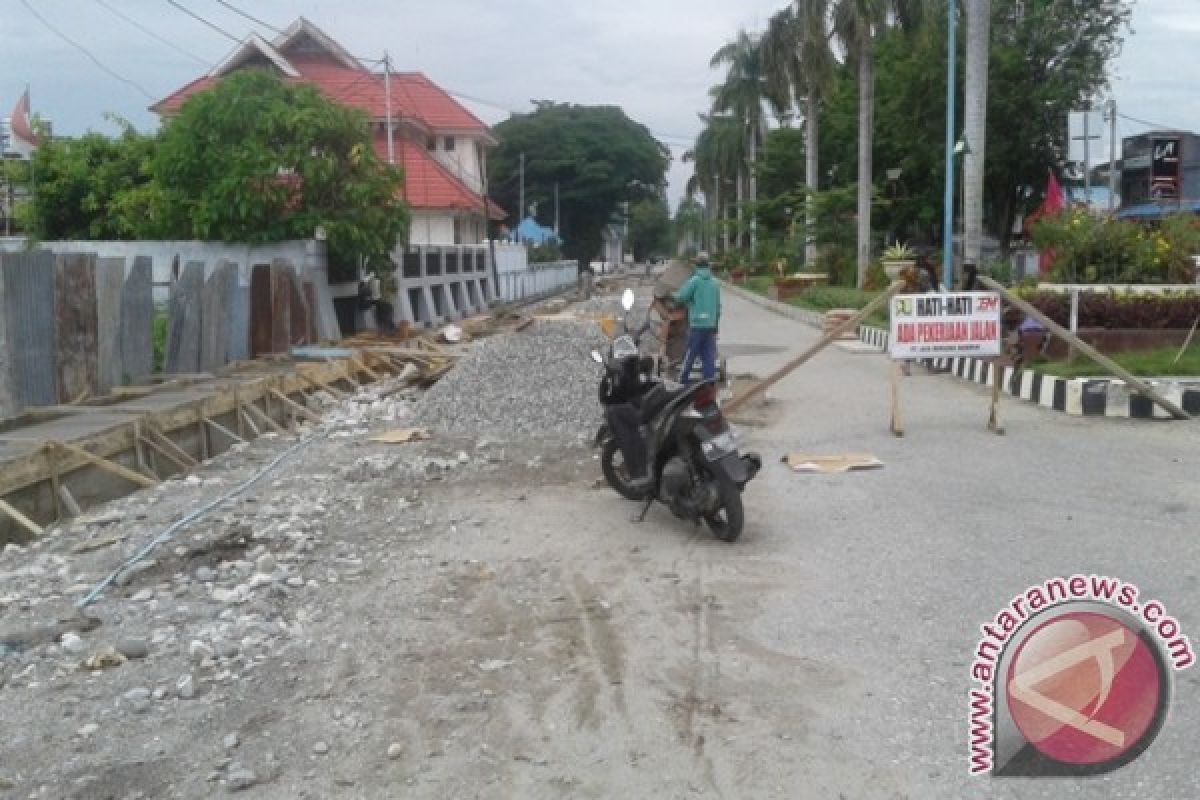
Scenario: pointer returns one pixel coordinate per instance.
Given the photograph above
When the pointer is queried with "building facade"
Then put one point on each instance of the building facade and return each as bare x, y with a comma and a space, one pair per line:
1160, 174
441, 146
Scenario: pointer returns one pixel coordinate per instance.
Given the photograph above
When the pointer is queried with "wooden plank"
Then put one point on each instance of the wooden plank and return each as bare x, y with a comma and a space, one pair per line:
22, 520
362, 366
249, 421
106, 465
166, 442
292, 404
319, 384
167, 454
222, 429
1085, 348
829, 338
263, 417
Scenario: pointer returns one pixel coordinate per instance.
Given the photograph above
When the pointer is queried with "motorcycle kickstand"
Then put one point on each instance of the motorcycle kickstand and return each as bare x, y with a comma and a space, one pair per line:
640, 518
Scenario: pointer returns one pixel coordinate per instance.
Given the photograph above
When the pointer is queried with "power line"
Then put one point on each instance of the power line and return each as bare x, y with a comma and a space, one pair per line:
679, 141
1158, 125
86, 52
255, 20
201, 19
152, 34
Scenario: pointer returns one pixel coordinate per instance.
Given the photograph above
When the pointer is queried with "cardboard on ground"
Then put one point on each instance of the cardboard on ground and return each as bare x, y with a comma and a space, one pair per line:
808, 462
402, 436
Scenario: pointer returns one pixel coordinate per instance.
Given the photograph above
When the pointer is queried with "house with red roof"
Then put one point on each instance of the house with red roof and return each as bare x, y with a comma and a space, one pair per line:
441, 146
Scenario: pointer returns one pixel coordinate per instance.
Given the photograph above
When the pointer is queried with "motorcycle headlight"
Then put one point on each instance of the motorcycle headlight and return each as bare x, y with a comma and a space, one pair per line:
624, 347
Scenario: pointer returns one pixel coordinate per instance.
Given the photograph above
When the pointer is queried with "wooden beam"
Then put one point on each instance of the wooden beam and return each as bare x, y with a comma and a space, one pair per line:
242, 415
829, 338
1083, 347
362, 366
22, 520
299, 409
221, 428
321, 385
167, 454
106, 465
166, 442
69, 503
262, 417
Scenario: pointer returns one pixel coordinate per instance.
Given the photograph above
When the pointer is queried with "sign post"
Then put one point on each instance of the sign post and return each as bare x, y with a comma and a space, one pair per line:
948, 325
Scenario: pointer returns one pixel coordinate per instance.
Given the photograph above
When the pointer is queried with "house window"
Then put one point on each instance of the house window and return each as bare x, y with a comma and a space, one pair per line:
458, 233
448, 144
431, 144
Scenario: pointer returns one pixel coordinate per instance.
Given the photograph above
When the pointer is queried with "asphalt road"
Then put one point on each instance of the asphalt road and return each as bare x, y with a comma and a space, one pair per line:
880, 580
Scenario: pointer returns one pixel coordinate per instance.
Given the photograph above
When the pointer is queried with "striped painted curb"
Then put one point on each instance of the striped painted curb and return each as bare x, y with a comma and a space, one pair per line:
1081, 397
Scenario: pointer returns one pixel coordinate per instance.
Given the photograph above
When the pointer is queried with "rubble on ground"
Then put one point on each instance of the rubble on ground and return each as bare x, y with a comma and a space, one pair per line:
538, 383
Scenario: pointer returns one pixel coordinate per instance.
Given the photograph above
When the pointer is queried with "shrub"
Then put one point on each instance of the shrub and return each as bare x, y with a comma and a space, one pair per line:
1119, 310
1091, 249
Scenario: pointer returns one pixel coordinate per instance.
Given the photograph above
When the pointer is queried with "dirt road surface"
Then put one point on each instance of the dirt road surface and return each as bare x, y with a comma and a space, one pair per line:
467, 619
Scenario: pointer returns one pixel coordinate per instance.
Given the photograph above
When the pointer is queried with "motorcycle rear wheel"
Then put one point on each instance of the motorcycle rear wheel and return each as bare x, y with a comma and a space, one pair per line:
727, 521
612, 462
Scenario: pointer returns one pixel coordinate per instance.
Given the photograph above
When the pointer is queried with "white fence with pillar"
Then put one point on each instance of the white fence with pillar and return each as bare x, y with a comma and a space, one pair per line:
519, 280
437, 284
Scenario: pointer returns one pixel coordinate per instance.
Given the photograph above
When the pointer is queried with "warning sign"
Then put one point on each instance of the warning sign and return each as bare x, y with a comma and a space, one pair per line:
945, 325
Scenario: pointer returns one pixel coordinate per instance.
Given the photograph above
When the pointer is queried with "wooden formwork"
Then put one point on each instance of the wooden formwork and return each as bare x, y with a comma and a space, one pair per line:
136, 436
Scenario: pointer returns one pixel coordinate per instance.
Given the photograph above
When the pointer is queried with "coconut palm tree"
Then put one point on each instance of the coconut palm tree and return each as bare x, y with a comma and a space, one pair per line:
975, 125
719, 155
744, 93
857, 23
799, 64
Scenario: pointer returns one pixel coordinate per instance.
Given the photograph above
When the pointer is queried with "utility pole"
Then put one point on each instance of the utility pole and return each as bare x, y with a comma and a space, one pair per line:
948, 189
521, 213
556, 208
1087, 138
387, 101
1112, 154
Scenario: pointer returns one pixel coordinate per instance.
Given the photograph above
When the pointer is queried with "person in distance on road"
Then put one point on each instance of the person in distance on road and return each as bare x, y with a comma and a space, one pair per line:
702, 296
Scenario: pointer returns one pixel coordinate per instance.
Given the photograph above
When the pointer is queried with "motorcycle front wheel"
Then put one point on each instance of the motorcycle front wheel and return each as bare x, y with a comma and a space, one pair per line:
612, 462
726, 522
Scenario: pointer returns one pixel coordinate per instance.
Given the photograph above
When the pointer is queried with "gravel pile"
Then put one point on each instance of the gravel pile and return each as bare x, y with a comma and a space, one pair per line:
538, 383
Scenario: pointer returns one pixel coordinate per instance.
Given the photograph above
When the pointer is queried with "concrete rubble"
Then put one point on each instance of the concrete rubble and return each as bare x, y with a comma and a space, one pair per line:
223, 612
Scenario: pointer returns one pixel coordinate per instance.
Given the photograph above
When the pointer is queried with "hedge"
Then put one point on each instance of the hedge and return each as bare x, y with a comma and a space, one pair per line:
1121, 310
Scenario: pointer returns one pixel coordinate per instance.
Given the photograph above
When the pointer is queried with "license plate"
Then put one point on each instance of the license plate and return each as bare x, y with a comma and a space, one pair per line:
719, 446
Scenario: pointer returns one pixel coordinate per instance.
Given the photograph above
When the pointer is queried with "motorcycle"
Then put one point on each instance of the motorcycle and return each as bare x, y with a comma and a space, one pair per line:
695, 468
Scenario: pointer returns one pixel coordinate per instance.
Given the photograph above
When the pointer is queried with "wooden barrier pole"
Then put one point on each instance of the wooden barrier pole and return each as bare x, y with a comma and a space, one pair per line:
897, 423
997, 380
22, 520
1085, 348
826, 340
219, 427
299, 409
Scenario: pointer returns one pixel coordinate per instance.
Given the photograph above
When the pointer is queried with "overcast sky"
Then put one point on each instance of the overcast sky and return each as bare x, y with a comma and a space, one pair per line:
648, 56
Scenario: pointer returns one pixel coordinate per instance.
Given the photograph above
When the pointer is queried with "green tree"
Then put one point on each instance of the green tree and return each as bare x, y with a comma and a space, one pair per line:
690, 227
649, 228
597, 155
718, 154
257, 160
79, 180
744, 93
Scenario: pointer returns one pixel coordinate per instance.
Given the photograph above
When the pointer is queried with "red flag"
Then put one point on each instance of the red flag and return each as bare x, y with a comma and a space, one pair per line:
23, 138
1055, 201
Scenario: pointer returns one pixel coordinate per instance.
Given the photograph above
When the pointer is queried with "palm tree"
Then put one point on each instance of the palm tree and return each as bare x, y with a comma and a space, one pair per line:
799, 64
857, 23
975, 126
743, 94
719, 155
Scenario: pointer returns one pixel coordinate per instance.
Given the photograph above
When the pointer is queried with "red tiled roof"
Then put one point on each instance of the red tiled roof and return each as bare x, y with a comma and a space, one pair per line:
428, 186
413, 95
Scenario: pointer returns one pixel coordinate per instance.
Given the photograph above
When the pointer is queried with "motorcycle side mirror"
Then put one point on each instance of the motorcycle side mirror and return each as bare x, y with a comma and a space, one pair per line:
599, 359
627, 299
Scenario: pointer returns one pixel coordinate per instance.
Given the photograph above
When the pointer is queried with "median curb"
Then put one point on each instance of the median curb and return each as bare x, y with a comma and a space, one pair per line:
1079, 397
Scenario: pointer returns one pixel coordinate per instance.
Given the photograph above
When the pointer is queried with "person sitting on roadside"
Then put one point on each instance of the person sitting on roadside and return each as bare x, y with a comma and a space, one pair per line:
702, 296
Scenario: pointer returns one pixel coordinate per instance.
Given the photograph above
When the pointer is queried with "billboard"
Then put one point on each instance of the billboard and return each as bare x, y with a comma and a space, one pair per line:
1165, 160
